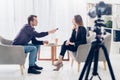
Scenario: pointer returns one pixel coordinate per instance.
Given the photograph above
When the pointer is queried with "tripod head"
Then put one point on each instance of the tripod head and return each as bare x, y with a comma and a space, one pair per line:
97, 29
98, 24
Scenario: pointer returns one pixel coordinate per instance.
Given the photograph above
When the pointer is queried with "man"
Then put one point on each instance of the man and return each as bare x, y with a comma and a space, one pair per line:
28, 34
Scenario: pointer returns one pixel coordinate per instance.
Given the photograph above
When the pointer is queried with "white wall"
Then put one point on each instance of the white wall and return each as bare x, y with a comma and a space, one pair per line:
51, 14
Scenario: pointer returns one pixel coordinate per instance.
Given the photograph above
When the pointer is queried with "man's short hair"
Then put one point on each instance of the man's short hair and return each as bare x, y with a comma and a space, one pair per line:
31, 18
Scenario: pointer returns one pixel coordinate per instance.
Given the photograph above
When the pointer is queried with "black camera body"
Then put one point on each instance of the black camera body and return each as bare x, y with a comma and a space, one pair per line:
103, 9
100, 9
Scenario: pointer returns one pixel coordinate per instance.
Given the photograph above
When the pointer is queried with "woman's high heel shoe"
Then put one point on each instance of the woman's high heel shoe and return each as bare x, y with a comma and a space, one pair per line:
56, 64
59, 61
58, 67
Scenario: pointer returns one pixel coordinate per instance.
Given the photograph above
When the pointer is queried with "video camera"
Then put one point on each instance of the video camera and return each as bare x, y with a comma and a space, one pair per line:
100, 9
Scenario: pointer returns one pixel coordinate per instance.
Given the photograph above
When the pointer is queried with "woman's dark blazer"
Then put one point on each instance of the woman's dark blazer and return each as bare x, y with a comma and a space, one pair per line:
81, 36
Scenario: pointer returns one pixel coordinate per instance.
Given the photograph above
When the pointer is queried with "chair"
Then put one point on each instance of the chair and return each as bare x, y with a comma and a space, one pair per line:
83, 50
10, 54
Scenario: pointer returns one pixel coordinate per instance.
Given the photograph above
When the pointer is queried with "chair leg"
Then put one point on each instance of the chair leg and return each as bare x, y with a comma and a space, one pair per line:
104, 63
78, 66
23, 66
21, 69
72, 62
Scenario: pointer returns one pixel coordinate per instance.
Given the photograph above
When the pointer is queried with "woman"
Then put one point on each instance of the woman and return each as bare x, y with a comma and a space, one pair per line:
78, 37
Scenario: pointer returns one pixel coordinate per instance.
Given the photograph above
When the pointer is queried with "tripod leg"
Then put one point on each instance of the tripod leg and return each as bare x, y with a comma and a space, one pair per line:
99, 77
89, 65
108, 61
96, 57
86, 62
91, 77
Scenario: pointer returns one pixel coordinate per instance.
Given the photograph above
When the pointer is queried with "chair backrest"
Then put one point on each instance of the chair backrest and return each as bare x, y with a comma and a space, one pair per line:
0, 39
91, 37
5, 41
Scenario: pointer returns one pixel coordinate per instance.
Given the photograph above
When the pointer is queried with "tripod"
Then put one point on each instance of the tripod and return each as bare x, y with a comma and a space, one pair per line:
94, 54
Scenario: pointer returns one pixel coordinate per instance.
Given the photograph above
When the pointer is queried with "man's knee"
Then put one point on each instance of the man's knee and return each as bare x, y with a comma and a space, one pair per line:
38, 47
34, 48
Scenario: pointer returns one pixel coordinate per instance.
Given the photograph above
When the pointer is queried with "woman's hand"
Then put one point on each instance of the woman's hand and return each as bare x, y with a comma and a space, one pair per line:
69, 43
